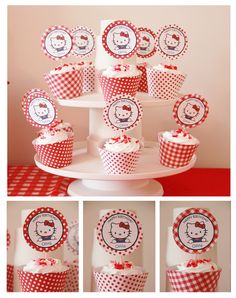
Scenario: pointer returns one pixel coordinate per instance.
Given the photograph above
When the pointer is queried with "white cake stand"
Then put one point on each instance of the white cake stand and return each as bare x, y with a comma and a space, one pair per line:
87, 165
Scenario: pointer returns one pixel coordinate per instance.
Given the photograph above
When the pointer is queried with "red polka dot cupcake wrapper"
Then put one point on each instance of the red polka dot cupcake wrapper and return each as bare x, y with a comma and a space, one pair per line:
39, 282
66, 85
89, 79
143, 85
10, 278
164, 85
193, 282
57, 155
119, 163
115, 86
72, 279
175, 155
120, 283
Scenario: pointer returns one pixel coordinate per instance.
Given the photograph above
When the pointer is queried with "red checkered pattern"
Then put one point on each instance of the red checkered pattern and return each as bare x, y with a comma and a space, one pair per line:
143, 85
39, 282
193, 282
175, 155
89, 79
55, 155
115, 86
10, 278
66, 85
119, 163
120, 283
72, 280
164, 85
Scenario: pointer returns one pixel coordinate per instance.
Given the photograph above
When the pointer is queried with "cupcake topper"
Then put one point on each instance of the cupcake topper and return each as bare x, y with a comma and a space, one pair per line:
190, 110
8, 239
84, 41
72, 241
57, 42
147, 46
121, 39
172, 41
45, 229
195, 230
122, 112
119, 232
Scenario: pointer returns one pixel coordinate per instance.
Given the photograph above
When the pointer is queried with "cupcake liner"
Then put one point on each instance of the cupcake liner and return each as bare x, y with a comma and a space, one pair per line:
10, 278
72, 279
164, 85
175, 155
119, 163
42, 282
66, 85
89, 79
120, 283
143, 85
115, 86
193, 282
55, 155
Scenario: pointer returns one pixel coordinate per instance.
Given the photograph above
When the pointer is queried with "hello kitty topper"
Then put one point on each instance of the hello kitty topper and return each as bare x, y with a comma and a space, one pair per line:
84, 41
119, 232
121, 39
195, 230
45, 229
172, 41
147, 46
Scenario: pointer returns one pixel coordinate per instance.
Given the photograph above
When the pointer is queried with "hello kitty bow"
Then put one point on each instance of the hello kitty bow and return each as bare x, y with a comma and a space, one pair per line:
123, 34
199, 225
42, 105
176, 37
123, 225
126, 108
84, 37
145, 38
48, 223
60, 37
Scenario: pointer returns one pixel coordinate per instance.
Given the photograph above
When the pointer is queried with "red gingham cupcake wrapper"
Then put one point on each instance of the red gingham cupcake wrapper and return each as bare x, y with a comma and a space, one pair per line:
193, 282
143, 85
66, 85
164, 85
10, 278
55, 155
39, 282
114, 86
89, 79
119, 163
72, 279
175, 155
120, 283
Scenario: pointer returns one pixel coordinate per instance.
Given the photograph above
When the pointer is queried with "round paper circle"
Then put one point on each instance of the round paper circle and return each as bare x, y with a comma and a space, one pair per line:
147, 46
190, 110
195, 230
84, 41
72, 241
45, 229
34, 91
119, 232
172, 41
121, 39
123, 112
8, 239
57, 42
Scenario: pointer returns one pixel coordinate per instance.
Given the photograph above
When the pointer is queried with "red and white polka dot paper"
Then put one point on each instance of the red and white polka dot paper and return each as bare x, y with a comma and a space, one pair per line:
10, 278
88, 79
143, 85
72, 279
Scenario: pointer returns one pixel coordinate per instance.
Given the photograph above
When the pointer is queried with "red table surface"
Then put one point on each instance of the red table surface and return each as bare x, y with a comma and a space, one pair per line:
31, 181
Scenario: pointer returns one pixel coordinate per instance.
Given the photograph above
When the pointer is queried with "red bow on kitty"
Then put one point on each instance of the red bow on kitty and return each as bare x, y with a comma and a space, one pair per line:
196, 108
123, 225
42, 105
60, 37
84, 37
124, 34
48, 223
199, 225
126, 108
146, 38
176, 37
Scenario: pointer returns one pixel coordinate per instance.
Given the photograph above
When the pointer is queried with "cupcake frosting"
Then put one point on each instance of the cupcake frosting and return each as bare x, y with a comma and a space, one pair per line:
167, 68
126, 268
63, 69
180, 137
45, 265
121, 71
59, 125
204, 265
51, 136
122, 144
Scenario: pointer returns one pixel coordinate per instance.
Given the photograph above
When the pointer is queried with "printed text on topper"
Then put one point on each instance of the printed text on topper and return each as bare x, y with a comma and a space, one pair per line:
147, 46
84, 41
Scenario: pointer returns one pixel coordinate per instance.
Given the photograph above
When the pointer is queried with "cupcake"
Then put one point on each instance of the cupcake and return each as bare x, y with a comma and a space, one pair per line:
88, 70
177, 148
164, 81
143, 85
120, 277
194, 276
43, 275
65, 82
120, 79
60, 125
120, 155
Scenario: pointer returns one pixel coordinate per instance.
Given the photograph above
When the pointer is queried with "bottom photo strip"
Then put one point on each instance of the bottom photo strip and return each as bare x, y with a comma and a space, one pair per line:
125, 244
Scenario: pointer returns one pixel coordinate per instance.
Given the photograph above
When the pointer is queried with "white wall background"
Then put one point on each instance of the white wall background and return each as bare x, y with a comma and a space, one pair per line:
206, 63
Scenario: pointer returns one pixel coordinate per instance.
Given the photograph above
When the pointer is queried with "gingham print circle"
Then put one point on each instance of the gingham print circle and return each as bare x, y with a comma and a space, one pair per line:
57, 42
172, 41
115, 86
120, 283
119, 232
122, 112
72, 279
66, 85
195, 230
36, 91
147, 46
143, 85
88, 79
190, 110
45, 229
175, 155
10, 278
193, 282
8, 239
119, 163
121, 39
42, 282
84, 41
72, 241
164, 85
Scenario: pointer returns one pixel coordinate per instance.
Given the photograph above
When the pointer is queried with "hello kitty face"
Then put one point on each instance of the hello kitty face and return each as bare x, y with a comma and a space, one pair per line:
120, 232
58, 42
172, 41
121, 40
41, 111
82, 41
196, 232
45, 230
191, 111
123, 113
144, 43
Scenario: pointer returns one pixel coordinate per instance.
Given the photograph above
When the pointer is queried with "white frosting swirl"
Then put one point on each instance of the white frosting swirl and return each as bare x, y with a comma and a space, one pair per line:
63, 69
180, 137
82, 64
124, 144
162, 68
45, 265
197, 266
109, 269
50, 137
121, 71
60, 125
